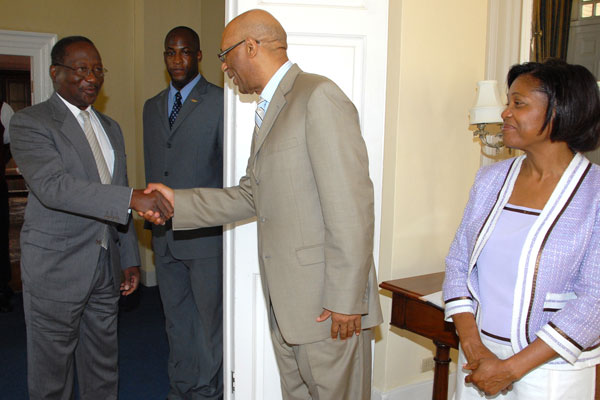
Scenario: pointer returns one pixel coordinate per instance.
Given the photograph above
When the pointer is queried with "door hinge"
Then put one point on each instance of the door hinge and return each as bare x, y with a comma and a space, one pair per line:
232, 381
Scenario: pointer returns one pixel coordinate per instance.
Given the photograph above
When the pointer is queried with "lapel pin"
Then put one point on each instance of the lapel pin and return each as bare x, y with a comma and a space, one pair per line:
194, 100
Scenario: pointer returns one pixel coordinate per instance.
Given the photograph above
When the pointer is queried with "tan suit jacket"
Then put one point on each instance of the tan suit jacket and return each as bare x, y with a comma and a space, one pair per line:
307, 182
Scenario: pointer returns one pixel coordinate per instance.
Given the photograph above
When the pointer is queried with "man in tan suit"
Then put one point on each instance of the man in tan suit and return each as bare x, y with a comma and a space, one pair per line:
307, 182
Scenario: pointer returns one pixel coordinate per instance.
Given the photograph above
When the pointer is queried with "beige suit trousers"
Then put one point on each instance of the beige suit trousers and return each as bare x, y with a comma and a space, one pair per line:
324, 370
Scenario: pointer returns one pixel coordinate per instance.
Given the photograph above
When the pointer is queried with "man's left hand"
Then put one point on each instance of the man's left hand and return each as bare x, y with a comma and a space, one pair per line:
344, 325
131, 282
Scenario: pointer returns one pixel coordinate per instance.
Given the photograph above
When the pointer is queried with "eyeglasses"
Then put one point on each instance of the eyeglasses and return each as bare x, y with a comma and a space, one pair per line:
84, 72
222, 54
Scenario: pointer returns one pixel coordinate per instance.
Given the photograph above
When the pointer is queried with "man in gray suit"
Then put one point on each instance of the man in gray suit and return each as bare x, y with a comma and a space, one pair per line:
307, 182
183, 148
78, 235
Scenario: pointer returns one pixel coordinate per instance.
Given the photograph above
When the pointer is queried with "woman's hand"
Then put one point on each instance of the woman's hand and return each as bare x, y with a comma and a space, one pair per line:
475, 350
470, 341
479, 357
490, 375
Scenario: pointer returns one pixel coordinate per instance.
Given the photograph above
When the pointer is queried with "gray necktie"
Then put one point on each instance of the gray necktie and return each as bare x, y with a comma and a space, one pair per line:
103, 171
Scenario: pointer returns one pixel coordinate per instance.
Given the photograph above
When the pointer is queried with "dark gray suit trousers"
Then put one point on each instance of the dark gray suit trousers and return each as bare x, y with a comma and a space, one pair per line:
191, 292
64, 337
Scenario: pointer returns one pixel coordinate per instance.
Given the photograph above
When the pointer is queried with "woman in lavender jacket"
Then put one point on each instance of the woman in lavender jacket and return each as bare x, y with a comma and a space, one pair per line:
523, 272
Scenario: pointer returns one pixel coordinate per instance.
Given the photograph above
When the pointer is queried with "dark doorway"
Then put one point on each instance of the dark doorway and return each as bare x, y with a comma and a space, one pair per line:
15, 90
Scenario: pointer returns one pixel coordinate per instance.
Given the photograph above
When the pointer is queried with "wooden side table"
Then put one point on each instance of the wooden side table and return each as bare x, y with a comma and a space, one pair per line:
412, 313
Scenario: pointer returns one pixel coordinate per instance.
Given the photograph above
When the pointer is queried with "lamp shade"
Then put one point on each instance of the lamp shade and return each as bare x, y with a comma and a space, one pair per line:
488, 107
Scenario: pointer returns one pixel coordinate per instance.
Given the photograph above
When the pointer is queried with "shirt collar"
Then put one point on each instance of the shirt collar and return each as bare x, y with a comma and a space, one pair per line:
185, 91
269, 90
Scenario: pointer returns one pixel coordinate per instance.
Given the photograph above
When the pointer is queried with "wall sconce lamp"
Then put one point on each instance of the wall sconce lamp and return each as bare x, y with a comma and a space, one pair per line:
487, 110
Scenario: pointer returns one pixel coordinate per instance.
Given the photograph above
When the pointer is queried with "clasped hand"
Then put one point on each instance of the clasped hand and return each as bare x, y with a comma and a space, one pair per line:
153, 205
158, 203
490, 375
487, 372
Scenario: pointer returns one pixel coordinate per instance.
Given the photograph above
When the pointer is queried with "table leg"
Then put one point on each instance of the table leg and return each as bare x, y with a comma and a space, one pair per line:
440, 375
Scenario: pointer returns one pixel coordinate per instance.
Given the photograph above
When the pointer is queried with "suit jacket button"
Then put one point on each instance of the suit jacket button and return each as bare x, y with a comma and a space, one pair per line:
257, 181
263, 219
166, 173
98, 241
168, 145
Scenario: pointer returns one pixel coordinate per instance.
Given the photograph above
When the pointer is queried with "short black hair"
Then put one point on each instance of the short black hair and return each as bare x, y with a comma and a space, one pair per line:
193, 34
58, 51
573, 101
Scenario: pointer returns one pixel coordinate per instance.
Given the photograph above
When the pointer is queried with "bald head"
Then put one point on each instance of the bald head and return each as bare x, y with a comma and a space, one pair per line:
260, 26
254, 47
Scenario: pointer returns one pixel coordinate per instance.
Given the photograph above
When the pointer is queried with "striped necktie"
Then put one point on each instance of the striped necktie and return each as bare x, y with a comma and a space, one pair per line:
259, 115
175, 110
103, 171
90, 135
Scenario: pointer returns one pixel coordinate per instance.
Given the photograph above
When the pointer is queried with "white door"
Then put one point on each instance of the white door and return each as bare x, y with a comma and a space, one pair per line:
345, 40
584, 44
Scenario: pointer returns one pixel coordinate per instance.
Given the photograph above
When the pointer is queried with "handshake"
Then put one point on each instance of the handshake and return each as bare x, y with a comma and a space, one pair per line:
155, 203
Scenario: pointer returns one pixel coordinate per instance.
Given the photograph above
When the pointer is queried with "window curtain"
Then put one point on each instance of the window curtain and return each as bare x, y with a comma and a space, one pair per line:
551, 20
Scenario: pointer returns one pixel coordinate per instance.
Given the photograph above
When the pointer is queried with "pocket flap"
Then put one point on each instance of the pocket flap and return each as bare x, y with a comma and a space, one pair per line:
311, 255
46, 240
556, 301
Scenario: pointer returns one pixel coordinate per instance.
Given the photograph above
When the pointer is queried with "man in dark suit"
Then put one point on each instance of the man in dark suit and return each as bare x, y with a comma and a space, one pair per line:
183, 148
78, 234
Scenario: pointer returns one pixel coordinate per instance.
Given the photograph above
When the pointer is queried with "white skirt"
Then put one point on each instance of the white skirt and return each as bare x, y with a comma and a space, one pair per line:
539, 384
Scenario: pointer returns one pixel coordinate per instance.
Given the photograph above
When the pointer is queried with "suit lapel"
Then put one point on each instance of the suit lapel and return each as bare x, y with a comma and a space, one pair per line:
193, 100
276, 105
70, 128
162, 110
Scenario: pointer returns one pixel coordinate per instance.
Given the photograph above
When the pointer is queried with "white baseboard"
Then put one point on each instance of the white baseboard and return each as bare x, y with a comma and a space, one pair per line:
415, 391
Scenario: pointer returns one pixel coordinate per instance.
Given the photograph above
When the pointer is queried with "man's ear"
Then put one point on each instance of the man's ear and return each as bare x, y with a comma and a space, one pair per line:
53, 73
199, 55
251, 47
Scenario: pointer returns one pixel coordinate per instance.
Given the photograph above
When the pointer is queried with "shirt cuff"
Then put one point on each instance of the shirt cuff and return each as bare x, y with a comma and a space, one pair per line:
130, 194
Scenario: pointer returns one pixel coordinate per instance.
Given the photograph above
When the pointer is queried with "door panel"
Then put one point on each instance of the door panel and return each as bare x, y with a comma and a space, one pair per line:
584, 47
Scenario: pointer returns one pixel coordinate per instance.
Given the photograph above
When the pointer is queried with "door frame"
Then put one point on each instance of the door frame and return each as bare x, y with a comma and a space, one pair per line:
37, 46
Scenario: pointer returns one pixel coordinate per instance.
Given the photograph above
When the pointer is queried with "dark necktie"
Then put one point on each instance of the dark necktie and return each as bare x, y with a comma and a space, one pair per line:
176, 108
